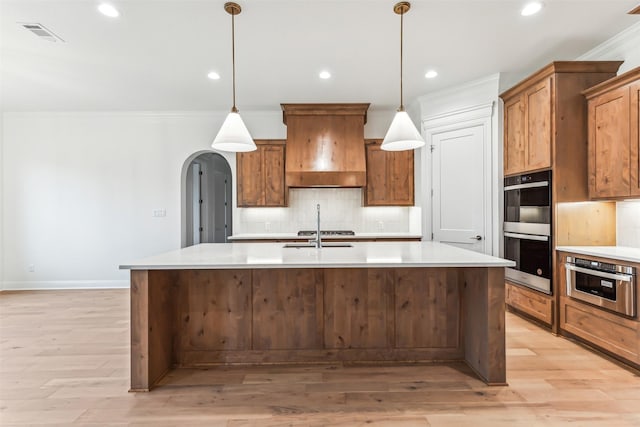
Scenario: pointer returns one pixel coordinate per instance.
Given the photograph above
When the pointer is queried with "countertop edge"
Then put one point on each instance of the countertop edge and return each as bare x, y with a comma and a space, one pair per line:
621, 253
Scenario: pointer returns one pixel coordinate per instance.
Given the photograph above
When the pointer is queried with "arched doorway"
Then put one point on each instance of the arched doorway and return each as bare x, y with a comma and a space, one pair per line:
207, 200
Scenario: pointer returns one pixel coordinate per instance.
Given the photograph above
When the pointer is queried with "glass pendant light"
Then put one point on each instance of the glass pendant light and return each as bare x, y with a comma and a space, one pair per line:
233, 135
402, 134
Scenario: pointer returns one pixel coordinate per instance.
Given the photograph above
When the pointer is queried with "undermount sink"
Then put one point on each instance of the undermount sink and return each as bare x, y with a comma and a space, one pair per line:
324, 245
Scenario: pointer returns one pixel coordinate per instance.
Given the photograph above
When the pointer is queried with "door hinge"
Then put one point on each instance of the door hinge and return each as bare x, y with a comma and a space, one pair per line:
432, 147
431, 236
200, 201
432, 192
201, 229
200, 173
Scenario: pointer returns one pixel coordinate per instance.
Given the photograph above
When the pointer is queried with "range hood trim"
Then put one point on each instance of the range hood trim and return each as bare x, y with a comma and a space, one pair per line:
324, 110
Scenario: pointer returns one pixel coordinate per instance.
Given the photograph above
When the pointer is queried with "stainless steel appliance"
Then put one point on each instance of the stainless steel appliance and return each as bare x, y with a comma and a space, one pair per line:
527, 229
610, 286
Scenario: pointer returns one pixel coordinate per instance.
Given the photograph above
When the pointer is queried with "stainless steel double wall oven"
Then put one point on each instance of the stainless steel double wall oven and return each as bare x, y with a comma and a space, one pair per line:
527, 229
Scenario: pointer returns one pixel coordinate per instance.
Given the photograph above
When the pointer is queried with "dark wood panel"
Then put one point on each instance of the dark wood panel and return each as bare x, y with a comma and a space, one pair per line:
401, 165
532, 303
152, 327
250, 178
314, 356
538, 125
214, 310
634, 173
358, 308
612, 333
484, 335
287, 309
609, 144
376, 190
273, 163
427, 308
514, 151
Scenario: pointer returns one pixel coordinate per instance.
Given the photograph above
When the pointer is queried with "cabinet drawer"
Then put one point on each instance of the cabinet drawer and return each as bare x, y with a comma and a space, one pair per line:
607, 331
535, 304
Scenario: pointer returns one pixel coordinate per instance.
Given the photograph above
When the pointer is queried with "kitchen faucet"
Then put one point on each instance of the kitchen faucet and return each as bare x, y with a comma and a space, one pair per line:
318, 239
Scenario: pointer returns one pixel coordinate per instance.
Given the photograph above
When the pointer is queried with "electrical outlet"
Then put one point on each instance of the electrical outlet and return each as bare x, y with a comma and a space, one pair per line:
158, 213
267, 226
380, 225
31, 268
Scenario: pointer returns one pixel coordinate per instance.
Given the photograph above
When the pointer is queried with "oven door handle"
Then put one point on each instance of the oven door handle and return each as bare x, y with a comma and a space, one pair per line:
612, 276
527, 236
531, 185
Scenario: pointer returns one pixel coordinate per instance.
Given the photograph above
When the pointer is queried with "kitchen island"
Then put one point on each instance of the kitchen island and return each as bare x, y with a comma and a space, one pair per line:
262, 303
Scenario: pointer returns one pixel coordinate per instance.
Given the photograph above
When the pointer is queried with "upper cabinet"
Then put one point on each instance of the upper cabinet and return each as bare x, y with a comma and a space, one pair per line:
545, 124
527, 127
260, 175
389, 176
614, 140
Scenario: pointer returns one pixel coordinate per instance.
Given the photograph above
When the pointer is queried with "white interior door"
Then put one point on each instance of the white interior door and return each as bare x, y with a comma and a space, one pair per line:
459, 182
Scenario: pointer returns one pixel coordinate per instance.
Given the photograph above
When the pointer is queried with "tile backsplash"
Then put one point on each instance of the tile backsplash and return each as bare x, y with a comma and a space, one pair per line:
628, 223
340, 208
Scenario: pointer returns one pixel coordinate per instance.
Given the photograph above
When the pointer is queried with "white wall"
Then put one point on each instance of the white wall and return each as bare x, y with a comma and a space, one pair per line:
628, 223
79, 189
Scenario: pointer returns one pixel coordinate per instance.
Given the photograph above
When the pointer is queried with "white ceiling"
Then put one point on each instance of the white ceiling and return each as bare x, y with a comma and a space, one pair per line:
157, 54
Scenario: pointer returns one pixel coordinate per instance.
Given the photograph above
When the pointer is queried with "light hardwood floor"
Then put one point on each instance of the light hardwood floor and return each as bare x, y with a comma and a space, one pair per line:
64, 360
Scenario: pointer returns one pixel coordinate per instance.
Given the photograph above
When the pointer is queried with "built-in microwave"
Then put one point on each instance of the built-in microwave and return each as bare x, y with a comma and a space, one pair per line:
527, 230
607, 285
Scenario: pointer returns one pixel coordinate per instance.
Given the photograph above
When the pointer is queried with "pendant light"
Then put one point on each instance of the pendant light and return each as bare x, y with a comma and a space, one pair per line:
402, 134
233, 135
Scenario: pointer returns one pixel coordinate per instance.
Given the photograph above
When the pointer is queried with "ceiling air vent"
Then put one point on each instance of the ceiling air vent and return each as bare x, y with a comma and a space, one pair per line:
41, 31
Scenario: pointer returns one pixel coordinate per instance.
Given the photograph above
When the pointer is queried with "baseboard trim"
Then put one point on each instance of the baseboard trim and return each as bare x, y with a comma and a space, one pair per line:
64, 284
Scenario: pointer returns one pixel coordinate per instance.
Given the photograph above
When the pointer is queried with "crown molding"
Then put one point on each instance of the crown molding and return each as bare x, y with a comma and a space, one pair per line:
615, 46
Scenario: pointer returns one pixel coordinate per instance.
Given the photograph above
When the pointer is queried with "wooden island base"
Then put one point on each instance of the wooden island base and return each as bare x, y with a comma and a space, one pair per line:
194, 318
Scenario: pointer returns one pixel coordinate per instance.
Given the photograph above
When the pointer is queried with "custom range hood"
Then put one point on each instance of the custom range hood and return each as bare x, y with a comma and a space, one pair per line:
325, 145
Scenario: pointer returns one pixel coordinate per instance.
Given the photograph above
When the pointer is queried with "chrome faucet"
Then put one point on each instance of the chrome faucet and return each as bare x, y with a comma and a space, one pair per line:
318, 239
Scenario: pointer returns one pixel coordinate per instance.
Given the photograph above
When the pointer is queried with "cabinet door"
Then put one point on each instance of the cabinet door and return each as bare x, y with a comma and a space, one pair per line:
389, 176
514, 153
376, 191
250, 178
609, 144
538, 126
400, 177
635, 140
273, 165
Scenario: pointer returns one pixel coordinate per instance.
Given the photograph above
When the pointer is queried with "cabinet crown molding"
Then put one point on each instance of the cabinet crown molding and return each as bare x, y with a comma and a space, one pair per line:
563, 67
615, 82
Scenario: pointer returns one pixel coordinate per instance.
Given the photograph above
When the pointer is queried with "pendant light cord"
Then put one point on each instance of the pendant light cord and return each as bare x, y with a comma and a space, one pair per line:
401, 40
233, 59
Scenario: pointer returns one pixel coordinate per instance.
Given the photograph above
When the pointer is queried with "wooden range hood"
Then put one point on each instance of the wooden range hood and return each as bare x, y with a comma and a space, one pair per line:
325, 145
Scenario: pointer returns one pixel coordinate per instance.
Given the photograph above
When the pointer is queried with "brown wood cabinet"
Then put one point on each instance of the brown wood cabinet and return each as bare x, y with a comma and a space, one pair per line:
389, 176
614, 141
528, 129
613, 334
261, 175
545, 127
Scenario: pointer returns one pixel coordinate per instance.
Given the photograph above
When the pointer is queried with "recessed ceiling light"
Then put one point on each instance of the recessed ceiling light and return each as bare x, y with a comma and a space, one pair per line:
431, 74
108, 10
531, 8
325, 75
213, 75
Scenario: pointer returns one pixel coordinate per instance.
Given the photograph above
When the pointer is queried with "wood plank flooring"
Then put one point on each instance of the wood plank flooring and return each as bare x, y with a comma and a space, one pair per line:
64, 360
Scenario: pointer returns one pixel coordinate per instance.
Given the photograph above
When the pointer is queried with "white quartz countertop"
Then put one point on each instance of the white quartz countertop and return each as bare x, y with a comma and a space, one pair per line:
274, 255
621, 253
277, 236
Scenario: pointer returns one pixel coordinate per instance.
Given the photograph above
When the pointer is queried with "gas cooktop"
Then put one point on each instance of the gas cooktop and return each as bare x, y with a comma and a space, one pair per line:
326, 233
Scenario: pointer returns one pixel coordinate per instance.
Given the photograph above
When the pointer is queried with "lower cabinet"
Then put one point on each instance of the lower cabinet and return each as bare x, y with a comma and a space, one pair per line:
531, 303
613, 334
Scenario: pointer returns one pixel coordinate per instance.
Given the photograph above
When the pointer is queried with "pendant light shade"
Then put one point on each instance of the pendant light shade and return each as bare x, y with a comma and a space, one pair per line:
233, 135
402, 134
